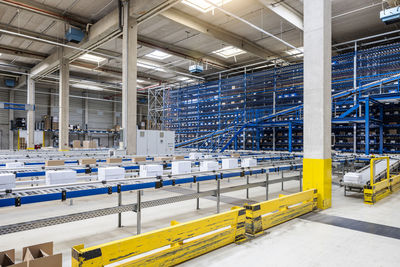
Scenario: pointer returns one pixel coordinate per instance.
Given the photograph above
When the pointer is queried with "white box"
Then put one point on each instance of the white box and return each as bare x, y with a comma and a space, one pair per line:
195, 155
60, 177
209, 165
208, 156
249, 162
231, 163
14, 164
151, 170
110, 173
7, 181
181, 167
352, 177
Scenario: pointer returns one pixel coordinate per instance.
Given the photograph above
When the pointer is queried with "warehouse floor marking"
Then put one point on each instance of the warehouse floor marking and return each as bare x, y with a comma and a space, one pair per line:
224, 199
361, 226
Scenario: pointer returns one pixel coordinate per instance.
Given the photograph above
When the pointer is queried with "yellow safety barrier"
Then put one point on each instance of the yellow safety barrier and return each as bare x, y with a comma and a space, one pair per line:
178, 243
395, 183
375, 191
266, 214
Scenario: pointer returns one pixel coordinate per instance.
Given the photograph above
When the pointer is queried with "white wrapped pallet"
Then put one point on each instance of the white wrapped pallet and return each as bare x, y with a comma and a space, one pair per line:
110, 173
60, 177
7, 181
151, 170
14, 164
230, 163
249, 162
353, 178
181, 167
208, 165
195, 155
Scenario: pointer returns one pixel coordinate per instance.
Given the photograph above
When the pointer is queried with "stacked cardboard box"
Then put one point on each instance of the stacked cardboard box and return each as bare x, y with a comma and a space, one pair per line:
138, 159
60, 177
89, 144
249, 162
32, 256
22, 143
47, 122
178, 157
87, 161
7, 180
113, 160
76, 144
181, 167
208, 165
111, 173
54, 163
151, 170
231, 163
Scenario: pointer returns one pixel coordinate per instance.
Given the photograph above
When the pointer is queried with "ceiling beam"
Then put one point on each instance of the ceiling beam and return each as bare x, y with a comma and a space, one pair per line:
9, 50
285, 11
182, 52
218, 33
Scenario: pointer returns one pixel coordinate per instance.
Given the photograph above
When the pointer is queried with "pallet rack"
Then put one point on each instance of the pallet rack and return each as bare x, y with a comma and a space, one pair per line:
213, 113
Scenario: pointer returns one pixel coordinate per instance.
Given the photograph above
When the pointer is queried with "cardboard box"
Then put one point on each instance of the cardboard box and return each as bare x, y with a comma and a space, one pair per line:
49, 163
138, 159
87, 161
7, 258
110, 173
54, 125
89, 144
181, 167
76, 144
113, 160
235, 155
41, 255
162, 158
393, 131
178, 157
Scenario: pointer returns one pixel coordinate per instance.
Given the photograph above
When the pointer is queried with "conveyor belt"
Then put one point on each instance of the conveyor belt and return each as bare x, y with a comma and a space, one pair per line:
21, 196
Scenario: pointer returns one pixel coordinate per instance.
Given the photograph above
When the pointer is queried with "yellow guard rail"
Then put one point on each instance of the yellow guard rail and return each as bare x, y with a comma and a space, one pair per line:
175, 244
375, 191
269, 213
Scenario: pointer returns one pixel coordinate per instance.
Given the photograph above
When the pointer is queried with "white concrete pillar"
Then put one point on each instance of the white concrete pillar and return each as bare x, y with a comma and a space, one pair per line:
30, 127
63, 139
11, 118
317, 163
129, 83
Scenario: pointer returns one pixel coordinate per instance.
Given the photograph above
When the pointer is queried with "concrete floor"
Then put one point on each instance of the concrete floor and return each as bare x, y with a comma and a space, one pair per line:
300, 242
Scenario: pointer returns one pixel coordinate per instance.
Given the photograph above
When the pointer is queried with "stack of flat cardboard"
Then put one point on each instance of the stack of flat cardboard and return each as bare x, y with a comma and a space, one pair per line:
87, 161
7, 180
151, 170
178, 157
89, 144
208, 165
76, 144
60, 177
181, 167
138, 159
113, 160
111, 173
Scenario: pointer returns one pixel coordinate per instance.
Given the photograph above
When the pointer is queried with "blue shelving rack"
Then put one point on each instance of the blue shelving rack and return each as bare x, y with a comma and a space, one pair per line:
237, 112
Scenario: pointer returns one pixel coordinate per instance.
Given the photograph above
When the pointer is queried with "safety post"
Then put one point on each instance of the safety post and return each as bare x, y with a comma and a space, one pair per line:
213, 232
375, 191
264, 215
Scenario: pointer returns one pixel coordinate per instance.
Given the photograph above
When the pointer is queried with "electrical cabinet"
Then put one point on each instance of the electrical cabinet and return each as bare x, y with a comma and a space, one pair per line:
153, 142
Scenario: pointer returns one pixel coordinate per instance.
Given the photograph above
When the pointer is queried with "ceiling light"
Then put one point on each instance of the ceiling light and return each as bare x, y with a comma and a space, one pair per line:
92, 58
140, 81
150, 66
229, 51
296, 52
185, 79
158, 55
203, 6
1, 54
87, 86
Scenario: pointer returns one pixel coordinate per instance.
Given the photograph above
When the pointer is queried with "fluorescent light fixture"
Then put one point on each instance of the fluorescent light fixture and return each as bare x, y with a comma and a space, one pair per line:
150, 66
140, 81
295, 52
185, 79
229, 51
158, 55
92, 58
203, 6
87, 86
1, 54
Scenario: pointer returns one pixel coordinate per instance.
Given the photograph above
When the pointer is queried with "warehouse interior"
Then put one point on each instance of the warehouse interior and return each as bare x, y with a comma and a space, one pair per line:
199, 132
